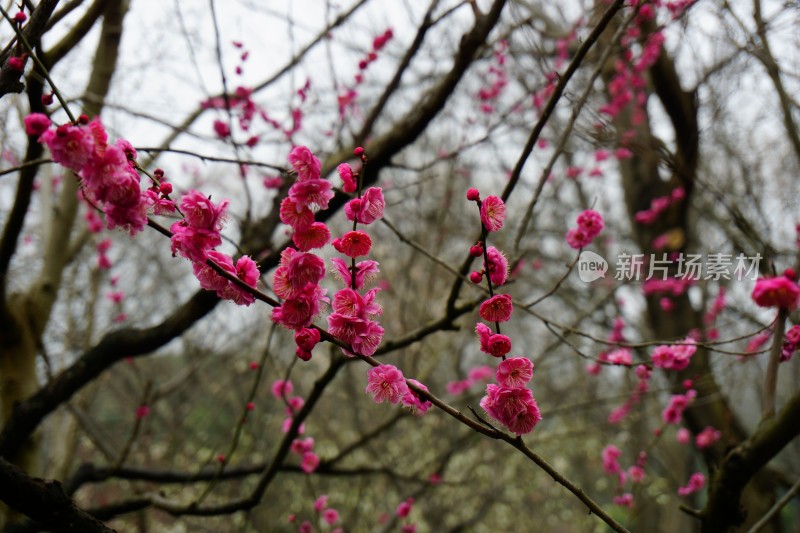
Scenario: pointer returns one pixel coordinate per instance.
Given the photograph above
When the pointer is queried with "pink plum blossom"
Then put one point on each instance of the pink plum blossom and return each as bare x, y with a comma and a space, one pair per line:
515, 372
498, 308
386, 384
493, 213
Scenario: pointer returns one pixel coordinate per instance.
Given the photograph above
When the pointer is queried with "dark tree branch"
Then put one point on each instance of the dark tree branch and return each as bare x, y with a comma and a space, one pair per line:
44, 501
33, 30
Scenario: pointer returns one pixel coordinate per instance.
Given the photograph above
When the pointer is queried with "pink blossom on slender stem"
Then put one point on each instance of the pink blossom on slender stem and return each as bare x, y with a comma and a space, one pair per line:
515, 372
296, 215
368, 208
779, 291
304, 163
307, 338
386, 384
498, 308
493, 213
353, 244
496, 266
349, 183
578, 238
316, 235
365, 271
624, 500
591, 222
312, 193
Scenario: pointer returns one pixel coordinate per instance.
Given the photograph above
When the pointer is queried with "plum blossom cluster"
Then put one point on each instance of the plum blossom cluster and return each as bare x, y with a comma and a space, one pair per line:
402, 511
197, 234
303, 447
791, 342
299, 273
107, 171
328, 515
635, 473
590, 224
347, 98
110, 181
509, 401
475, 375
353, 317
658, 206
616, 336
497, 79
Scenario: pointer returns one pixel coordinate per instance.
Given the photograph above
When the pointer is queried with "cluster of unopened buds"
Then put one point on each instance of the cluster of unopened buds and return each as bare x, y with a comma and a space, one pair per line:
509, 401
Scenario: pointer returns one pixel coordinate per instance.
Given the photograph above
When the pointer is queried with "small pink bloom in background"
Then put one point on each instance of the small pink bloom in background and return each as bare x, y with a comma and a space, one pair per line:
435, 478
305, 527
621, 356
601, 155
304, 163
404, 509
386, 384
624, 500
281, 388
515, 372
272, 182
473, 195
301, 446
221, 129
142, 411
577, 238
455, 388
330, 516
353, 244
696, 482
683, 436
493, 213
623, 153
321, 503
498, 308
636, 473
779, 291
408, 528
707, 437
610, 456
678, 403
309, 463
